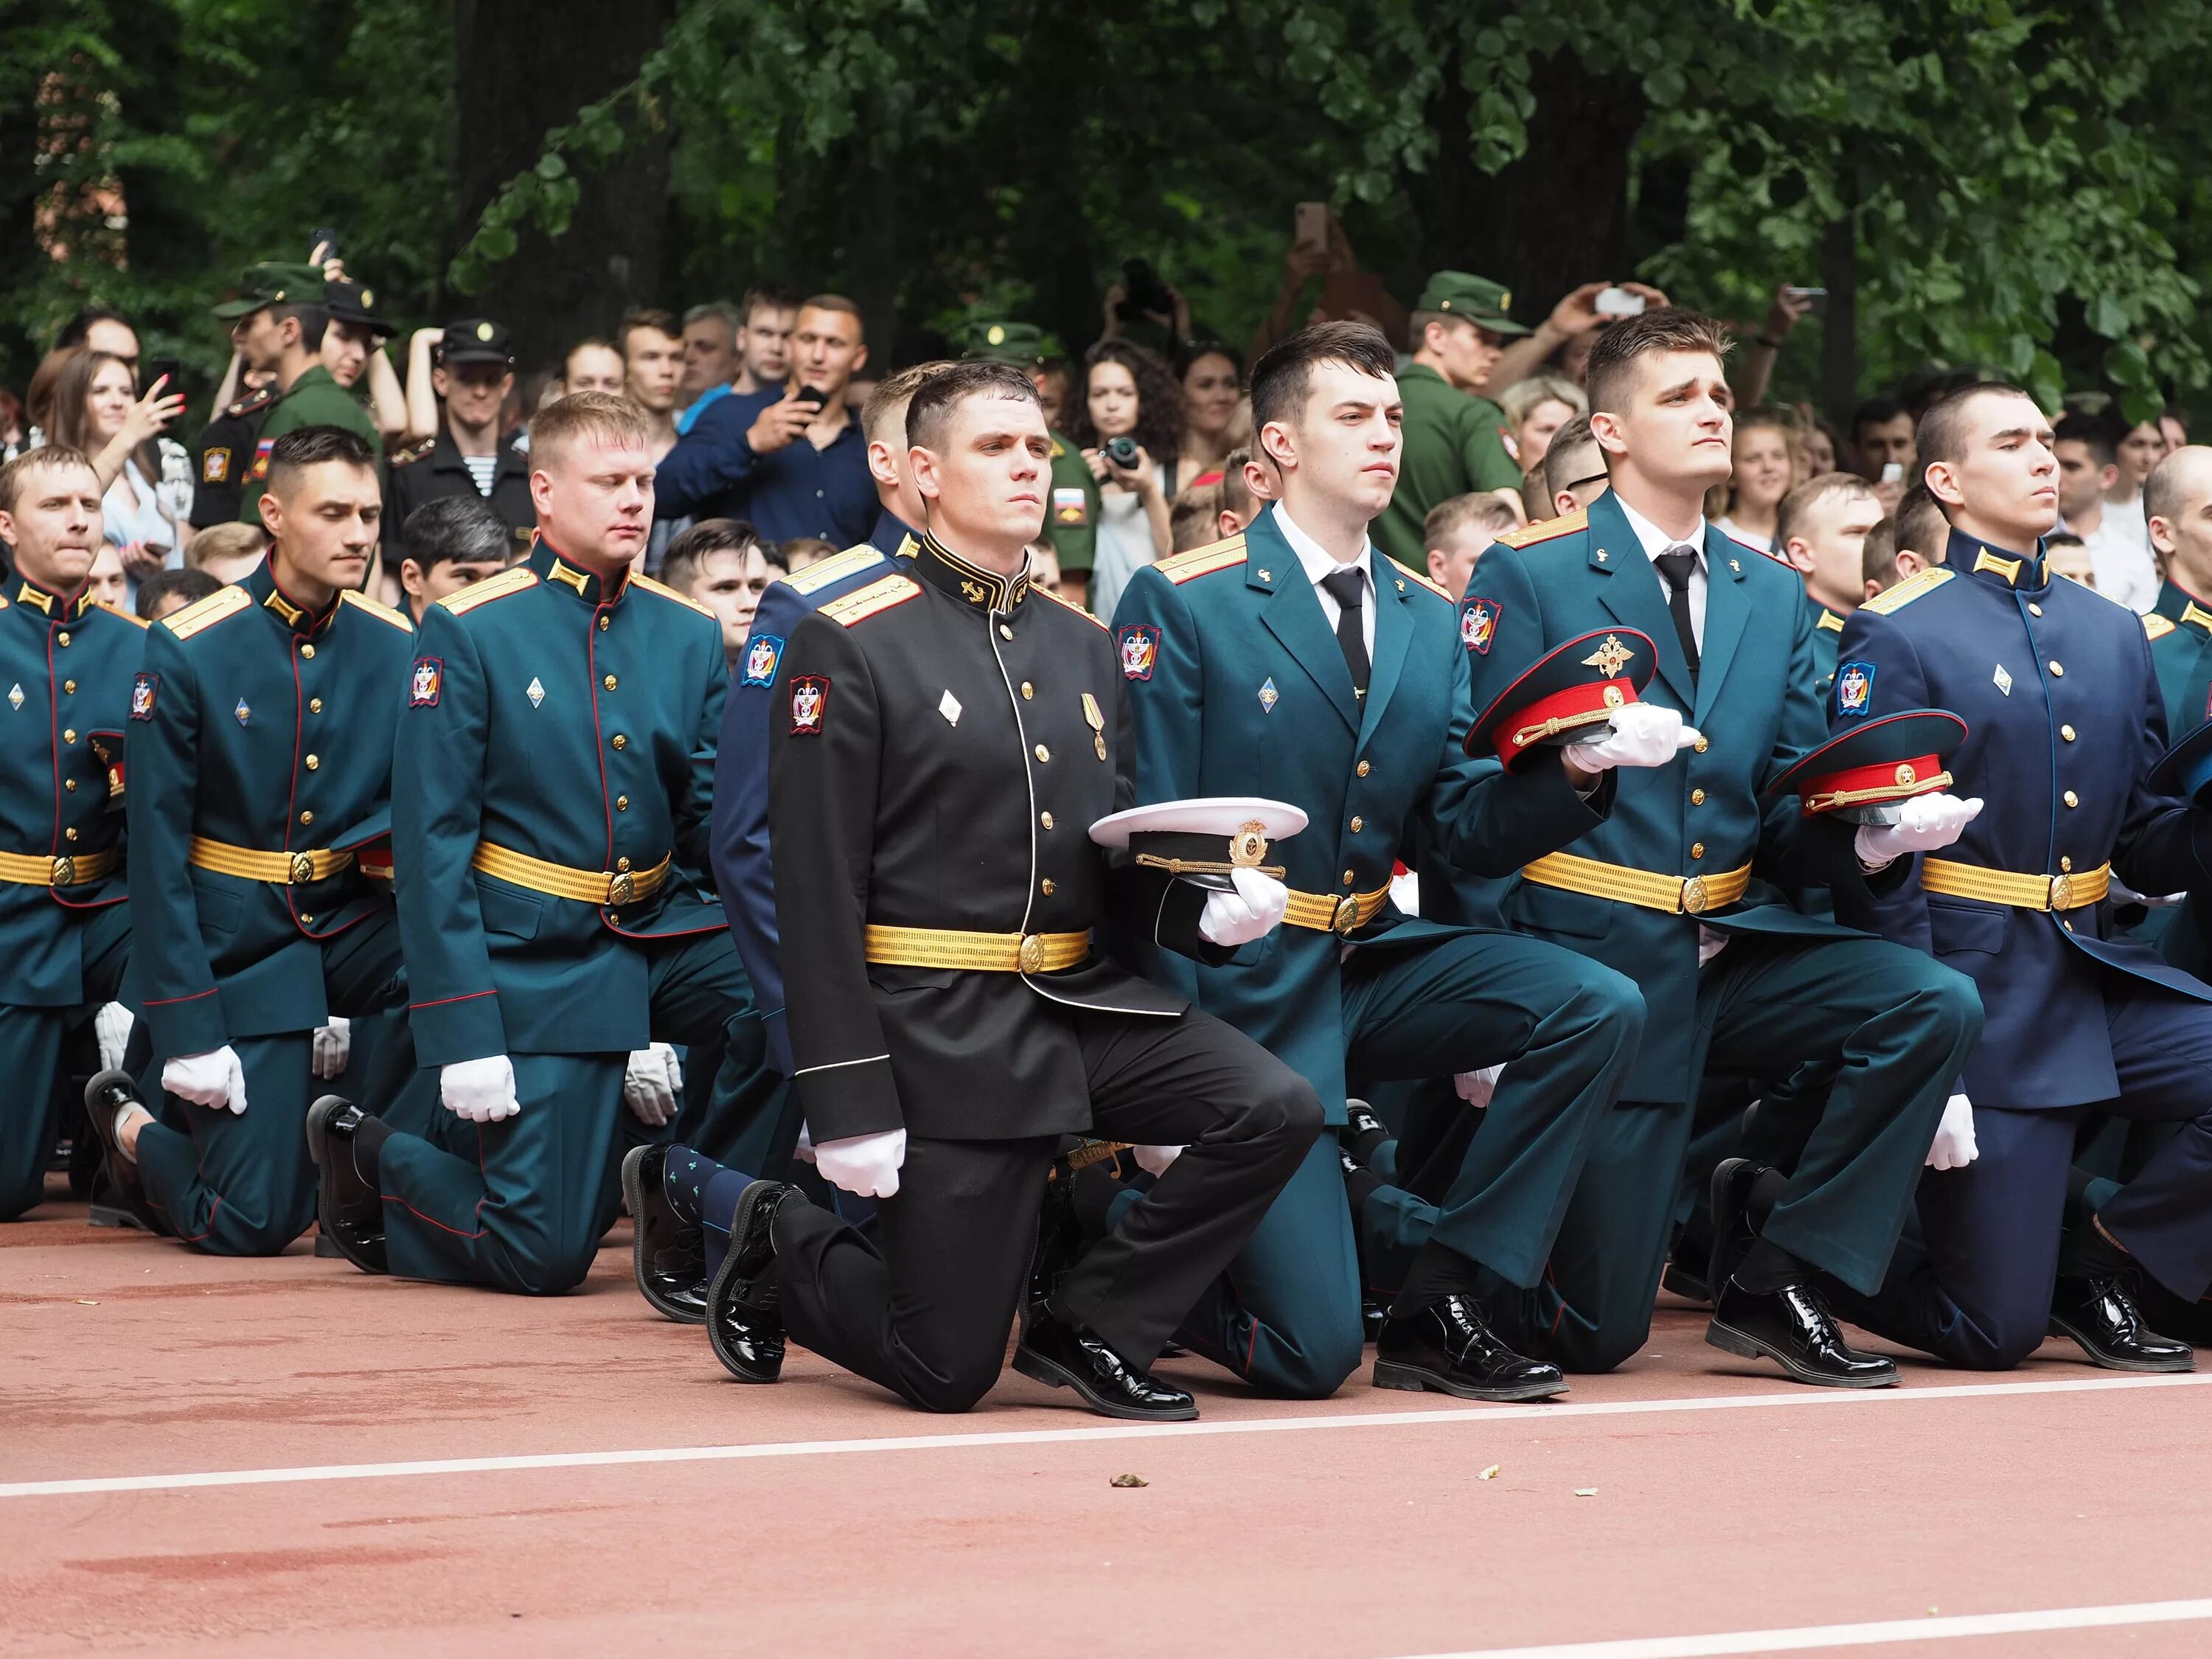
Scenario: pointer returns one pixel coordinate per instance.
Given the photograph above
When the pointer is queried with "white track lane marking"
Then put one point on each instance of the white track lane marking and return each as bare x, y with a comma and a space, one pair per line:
1798, 1398
1878, 1634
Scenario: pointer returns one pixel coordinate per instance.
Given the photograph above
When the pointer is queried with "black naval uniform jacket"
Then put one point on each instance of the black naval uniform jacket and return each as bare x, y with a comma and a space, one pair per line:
940, 742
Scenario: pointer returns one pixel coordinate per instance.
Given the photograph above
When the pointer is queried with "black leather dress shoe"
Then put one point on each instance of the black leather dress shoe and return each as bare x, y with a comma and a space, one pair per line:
2162, 1310
1728, 1197
349, 1210
1793, 1327
103, 1097
745, 1318
1061, 1356
1446, 1348
2099, 1314
669, 1256
1362, 1132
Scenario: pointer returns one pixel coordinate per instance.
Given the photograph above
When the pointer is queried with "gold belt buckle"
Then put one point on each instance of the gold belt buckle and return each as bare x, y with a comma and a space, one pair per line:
1347, 919
2062, 892
303, 868
65, 872
1031, 955
622, 888
1694, 897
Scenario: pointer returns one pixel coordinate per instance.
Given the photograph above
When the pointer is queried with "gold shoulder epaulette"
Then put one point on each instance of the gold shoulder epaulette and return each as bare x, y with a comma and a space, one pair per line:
203, 614
1180, 567
1830, 623
382, 613
512, 580
667, 593
259, 399
408, 454
2156, 627
834, 569
1912, 588
1545, 530
1070, 604
874, 600
136, 621
1435, 587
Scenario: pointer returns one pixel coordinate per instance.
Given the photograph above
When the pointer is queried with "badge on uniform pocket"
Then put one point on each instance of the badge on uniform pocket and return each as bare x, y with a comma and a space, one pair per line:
809, 700
143, 690
1070, 508
429, 678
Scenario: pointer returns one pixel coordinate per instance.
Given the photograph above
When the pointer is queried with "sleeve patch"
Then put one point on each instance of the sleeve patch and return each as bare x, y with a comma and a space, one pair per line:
810, 701
1070, 509
427, 680
1139, 649
144, 688
1478, 623
215, 466
1855, 688
261, 457
763, 653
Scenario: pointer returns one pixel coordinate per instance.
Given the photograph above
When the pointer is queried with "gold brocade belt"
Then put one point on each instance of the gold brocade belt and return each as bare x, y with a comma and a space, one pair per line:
2073, 890
1331, 912
61, 870
620, 885
1680, 895
284, 869
983, 953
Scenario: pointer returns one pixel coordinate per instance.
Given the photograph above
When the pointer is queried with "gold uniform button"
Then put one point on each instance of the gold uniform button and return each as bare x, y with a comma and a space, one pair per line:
1358, 824
314, 705
2067, 732
609, 681
1005, 632
62, 640
307, 921
1362, 769
1702, 745
2071, 799
306, 817
69, 784
621, 863
2033, 609
621, 802
2066, 866
2067, 925
308, 652
313, 760
68, 686
1697, 849
2058, 671
1043, 753
1347, 878
69, 734
620, 741
1697, 797
68, 835
1047, 887
1028, 690
1045, 818
603, 624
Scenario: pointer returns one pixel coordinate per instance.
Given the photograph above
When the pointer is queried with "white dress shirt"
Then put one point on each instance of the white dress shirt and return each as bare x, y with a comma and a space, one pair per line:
2119, 558
1655, 541
1318, 561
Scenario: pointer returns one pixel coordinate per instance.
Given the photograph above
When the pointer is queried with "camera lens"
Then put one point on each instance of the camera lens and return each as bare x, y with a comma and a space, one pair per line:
1121, 452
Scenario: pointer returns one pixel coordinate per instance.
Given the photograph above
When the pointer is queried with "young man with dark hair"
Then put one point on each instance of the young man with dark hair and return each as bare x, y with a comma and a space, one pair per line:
1924, 534
1640, 851
103, 329
260, 756
451, 542
1455, 533
64, 928
770, 311
165, 593
592, 365
2088, 451
472, 375
1574, 469
1821, 527
652, 343
1881, 437
720, 563
2065, 728
941, 1090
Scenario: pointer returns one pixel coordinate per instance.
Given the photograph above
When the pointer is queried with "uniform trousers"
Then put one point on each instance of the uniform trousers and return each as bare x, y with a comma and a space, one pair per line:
924, 1311
31, 1040
243, 1183
1894, 1024
1286, 1314
1975, 1288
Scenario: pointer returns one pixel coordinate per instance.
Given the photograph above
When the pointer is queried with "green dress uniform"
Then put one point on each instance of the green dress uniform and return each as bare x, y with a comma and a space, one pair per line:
261, 736
551, 804
2179, 627
313, 399
66, 669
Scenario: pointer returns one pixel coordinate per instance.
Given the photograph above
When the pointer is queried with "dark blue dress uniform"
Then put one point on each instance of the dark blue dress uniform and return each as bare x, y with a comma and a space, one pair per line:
260, 742
1827, 636
2058, 688
551, 800
1239, 687
66, 669
1690, 846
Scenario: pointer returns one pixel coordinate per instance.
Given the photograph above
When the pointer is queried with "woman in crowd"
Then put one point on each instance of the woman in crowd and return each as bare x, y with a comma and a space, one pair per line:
1769, 462
1127, 392
1213, 378
1534, 409
97, 409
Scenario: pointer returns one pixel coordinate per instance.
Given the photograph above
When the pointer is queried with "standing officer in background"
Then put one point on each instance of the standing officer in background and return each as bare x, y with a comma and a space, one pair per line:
1071, 524
66, 664
2178, 507
550, 794
1455, 440
474, 371
260, 734
1663, 888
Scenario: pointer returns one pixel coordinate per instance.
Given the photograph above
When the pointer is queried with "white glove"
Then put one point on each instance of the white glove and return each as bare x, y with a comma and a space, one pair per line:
1154, 1160
111, 1029
1954, 1147
649, 1085
1640, 735
214, 1080
333, 1047
479, 1090
1929, 824
1475, 1088
804, 1151
1253, 911
866, 1166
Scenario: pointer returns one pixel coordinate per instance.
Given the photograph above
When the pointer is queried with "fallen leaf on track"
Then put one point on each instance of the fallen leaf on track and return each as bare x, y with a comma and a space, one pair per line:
1130, 1480
1489, 1473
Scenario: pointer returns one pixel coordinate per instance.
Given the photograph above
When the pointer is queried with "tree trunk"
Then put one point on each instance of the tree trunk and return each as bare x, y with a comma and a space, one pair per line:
525, 66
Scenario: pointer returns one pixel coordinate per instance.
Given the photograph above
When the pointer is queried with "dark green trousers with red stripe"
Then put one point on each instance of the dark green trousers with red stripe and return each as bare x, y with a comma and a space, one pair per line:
31, 1059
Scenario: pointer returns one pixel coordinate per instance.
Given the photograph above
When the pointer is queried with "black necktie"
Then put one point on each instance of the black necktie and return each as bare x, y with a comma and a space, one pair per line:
1676, 567
1349, 589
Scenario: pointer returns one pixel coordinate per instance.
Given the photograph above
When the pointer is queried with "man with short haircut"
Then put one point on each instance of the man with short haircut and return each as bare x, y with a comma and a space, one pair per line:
770, 312
2176, 500
593, 365
1455, 439
227, 552
1073, 524
1822, 526
1244, 480
1574, 469
2065, 729
259, 754
1196, 518
473, 375
451, 542
791, 458
1878, 561
720, 563
2088, 448
652, 343
1455, 532
64, 928
549, 819
1660, 887
165, 593
1924, 534
102, 329
710, 355
1881, 437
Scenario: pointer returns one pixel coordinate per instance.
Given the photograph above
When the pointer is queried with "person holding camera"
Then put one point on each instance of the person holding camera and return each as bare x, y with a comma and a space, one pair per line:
1130, 411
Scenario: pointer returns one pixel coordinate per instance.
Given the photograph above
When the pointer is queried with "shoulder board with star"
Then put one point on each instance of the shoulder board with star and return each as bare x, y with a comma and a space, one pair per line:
253, 402
136, 621
1422, 580
2156, 627
1894, 599
1180, 567
496, 587
872, 600
1547, 530
834, 569
1830, 623
383, 613
408, 454
203, 614
647, 585
1069, 605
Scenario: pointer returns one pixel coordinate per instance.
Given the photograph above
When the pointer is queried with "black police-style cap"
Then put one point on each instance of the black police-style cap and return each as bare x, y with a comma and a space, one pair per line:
1884, 761
1569, 689
349, 302
475, 340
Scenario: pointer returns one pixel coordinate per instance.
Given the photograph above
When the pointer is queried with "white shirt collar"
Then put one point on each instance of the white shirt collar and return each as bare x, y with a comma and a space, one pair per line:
1316, 560
1655, 541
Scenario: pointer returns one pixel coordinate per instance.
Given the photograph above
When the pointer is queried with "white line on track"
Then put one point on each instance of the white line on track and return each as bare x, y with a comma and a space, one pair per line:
1879, 1634
586, 1460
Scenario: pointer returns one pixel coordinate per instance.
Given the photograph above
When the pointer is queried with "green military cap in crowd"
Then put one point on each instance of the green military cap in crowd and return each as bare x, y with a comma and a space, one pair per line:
271, 284
1481, 301
1019, 344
